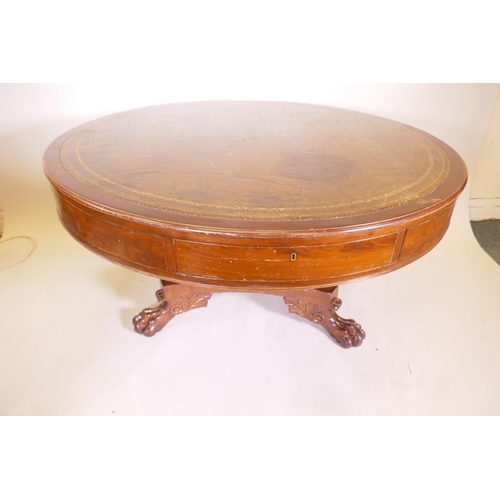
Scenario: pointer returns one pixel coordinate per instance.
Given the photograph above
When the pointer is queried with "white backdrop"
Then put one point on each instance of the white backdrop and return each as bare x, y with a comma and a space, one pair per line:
67, 346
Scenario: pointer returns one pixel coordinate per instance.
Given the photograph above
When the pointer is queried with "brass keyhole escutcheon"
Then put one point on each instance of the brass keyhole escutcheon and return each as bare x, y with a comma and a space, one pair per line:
293, 257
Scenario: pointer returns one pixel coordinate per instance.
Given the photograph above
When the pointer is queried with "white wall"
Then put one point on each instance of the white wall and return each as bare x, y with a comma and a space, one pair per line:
485, 185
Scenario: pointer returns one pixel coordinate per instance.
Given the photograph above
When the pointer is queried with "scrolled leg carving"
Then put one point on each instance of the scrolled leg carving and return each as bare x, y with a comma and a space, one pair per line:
187, 302
174, 299
309, 310
321, 308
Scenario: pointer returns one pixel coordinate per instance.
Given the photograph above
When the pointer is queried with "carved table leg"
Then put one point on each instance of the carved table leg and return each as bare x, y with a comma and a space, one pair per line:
321, 306
318, 306
174, 299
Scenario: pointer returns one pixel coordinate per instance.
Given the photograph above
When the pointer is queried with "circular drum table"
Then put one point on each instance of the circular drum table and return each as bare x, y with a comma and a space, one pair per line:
267, 197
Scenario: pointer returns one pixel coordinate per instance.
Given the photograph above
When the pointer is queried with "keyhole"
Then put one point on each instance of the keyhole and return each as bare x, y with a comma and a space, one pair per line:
293, 257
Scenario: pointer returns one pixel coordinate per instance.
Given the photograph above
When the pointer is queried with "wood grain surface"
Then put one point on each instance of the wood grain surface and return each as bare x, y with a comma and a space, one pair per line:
254, 195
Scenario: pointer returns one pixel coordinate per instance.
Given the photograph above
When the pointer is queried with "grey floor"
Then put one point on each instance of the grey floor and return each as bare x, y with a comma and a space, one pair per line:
487, 233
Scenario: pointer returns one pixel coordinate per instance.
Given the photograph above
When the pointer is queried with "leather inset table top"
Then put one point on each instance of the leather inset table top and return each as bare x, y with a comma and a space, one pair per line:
259, 161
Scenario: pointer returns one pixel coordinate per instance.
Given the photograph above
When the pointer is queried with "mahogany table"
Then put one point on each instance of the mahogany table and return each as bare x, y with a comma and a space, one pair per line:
267, 197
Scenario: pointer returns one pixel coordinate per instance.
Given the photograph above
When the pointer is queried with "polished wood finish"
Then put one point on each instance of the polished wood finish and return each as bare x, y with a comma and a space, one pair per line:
250, 196
343, 255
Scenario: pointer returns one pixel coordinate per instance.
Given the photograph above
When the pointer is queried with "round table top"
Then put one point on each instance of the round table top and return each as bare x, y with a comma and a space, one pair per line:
271, 165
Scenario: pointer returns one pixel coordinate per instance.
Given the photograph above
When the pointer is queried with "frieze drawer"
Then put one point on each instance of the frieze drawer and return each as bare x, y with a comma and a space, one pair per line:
242, 263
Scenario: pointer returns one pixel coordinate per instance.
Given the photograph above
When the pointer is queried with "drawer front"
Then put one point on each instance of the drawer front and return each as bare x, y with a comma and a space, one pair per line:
422, 237
244, 263
124, 245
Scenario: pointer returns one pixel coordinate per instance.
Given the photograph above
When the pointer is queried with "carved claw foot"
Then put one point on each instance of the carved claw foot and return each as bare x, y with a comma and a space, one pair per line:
174, 299
346, 332
152, 320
